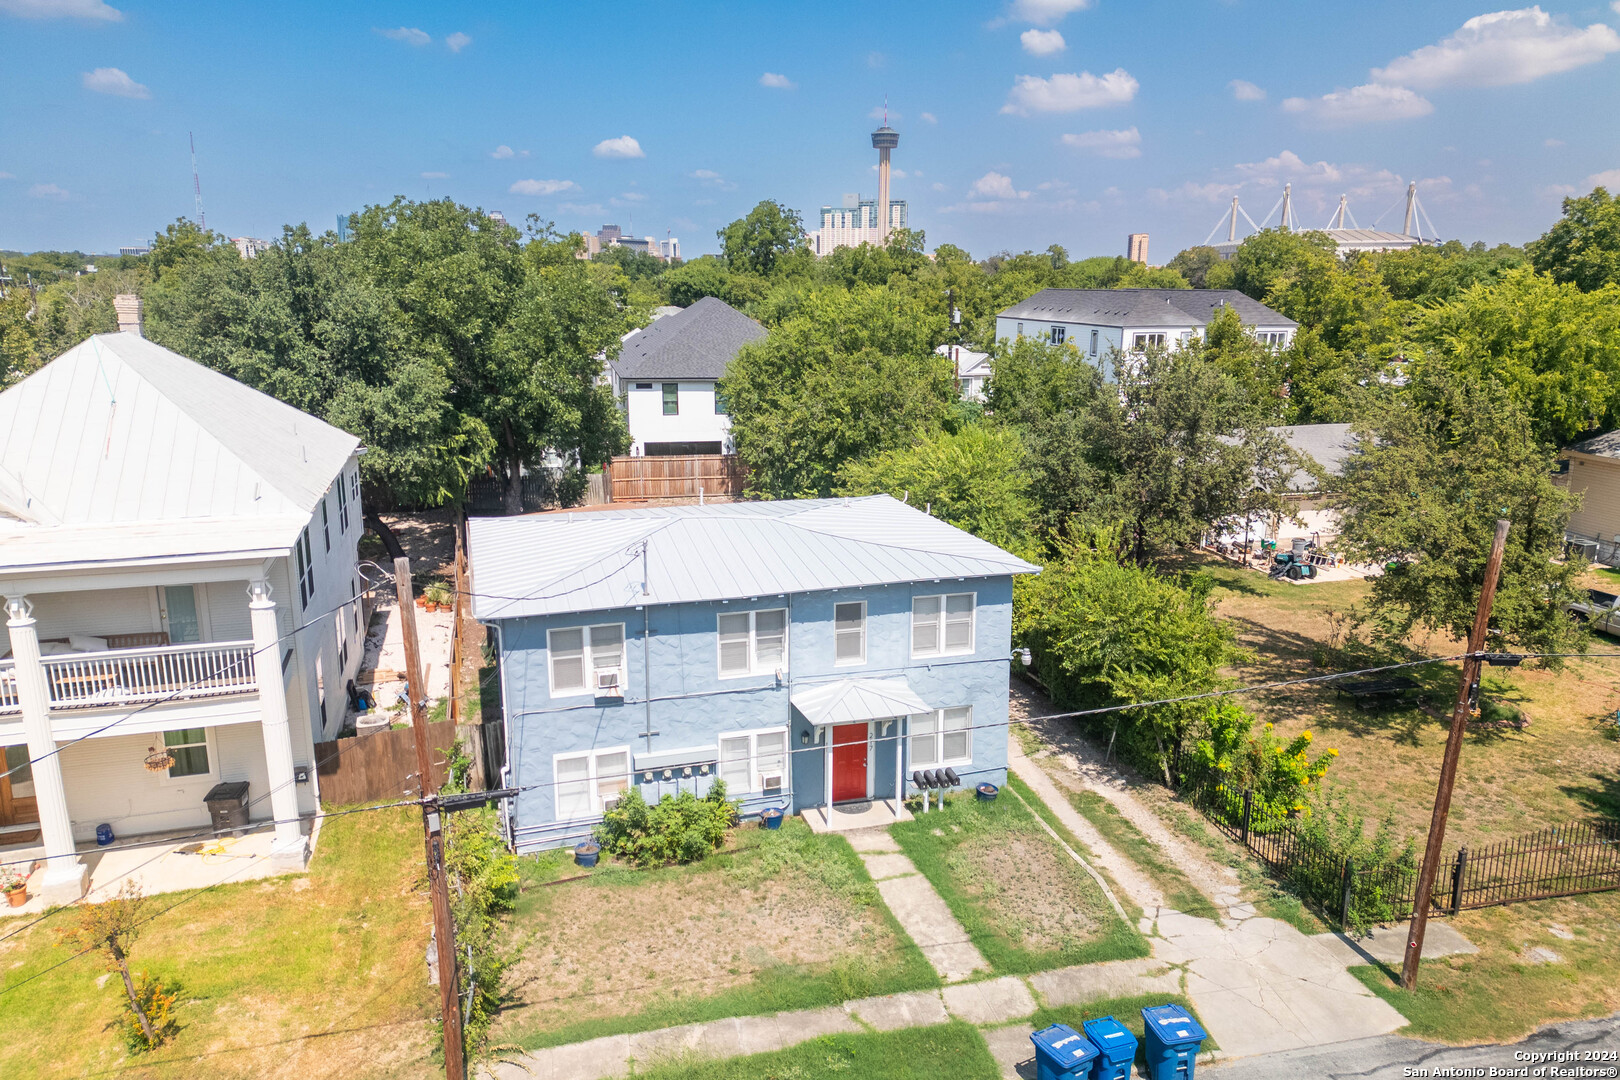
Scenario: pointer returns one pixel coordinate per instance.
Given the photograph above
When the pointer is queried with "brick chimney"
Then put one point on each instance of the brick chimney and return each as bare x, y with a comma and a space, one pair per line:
128, 307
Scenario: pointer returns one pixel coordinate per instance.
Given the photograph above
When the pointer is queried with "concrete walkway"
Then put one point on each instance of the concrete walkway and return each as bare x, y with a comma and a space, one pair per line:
917, 907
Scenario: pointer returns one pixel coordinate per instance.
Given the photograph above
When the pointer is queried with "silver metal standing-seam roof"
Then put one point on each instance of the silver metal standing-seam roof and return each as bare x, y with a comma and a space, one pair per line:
554, 563
1143, 307
694, 343
120, 441
850, 701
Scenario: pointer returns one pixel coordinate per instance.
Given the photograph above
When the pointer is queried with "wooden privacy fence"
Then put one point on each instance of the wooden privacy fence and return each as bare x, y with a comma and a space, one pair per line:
378, 765
684, 476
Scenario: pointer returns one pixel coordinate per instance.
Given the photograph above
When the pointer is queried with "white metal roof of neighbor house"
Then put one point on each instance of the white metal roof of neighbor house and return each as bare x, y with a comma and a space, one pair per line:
121, 450
1143, 307
543, 564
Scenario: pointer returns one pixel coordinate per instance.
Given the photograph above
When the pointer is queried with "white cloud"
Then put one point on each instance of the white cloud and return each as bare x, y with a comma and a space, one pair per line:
1559, 142
48, 191
777, 82
114, 81
705, 174
937, 186
61, 9
996, 186
898, 174
435, 176
1502, 49
541, 187
1360, 105
410, 35
579, 208
1067, 93
884, 113
875, 59
501, 152
632, 197
710, 178
1047, 12
932, 119
8, 176
1614, 5
1108, 144
1608, 178
457, 41
1042, 42
622, 147
1244, 90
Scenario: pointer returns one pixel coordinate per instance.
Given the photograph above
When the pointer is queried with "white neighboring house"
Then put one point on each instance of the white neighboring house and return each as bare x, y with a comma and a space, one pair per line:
178, 560
1099, 321
972, 370
665, 375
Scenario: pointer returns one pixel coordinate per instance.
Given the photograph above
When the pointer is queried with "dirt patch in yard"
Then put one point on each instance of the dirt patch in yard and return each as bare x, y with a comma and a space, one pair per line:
1016, 878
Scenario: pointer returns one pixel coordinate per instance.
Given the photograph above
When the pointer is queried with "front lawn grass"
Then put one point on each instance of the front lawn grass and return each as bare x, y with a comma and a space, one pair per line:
781, 920
1501, 993
955, 1050
1178, 889
1022, 900
318, 975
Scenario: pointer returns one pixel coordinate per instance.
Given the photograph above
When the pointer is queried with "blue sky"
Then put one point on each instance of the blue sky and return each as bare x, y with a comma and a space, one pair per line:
1023, 122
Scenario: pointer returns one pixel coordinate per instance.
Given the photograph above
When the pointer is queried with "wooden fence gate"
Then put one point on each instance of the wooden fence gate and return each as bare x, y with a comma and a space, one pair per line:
378, 765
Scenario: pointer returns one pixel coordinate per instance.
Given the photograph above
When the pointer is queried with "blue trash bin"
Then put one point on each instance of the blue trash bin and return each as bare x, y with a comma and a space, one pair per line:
1116, 1048
1062, 1053
1172, 1041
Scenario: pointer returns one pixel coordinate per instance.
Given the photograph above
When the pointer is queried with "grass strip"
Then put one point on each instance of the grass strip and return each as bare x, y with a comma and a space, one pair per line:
1044, 812
942, 844
955, 1050
1178, 890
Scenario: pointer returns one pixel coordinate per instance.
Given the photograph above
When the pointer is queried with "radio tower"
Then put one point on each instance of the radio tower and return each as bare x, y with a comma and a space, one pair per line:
196, 184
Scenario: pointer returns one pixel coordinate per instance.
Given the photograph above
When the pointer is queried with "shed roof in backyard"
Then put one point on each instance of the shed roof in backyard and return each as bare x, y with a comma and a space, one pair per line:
544, 564
695, 343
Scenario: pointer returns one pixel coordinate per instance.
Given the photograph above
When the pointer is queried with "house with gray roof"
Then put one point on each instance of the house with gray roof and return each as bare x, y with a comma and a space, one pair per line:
1103, 322
812, 654
665, 378
1592, 468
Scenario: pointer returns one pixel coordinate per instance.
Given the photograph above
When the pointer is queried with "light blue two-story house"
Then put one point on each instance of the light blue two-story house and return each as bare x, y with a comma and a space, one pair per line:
810, 653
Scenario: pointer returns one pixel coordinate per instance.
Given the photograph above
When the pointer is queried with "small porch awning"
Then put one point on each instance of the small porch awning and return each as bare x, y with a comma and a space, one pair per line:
851, 701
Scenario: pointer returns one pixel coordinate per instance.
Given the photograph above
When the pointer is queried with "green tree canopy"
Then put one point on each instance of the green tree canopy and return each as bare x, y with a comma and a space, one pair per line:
756, 244
1583, 247
1267, 257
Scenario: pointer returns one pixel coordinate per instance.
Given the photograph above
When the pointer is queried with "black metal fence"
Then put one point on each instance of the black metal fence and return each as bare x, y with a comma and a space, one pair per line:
1563, 860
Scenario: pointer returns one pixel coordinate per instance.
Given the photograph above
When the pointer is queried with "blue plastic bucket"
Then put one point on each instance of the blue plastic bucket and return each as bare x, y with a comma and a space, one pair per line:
772, 818
104, 835
587, 853
986, 792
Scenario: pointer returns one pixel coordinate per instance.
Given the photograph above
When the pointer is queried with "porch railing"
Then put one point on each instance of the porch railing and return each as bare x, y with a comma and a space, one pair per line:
8, 687
123, 676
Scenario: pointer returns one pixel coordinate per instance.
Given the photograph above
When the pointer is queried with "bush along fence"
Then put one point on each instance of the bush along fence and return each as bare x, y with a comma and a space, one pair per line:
1325, 856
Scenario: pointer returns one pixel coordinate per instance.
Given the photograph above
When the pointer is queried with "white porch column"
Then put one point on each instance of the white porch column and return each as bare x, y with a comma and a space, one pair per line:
289, 848
66, 878
826, 733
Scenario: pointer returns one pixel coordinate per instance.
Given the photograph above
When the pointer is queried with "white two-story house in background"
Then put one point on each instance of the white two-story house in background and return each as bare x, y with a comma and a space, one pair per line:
178, 563
665, 377
1100, 321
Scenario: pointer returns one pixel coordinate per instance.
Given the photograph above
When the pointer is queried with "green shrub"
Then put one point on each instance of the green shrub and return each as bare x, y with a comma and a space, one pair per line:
1281, 774
1331, 833
157, 1002
680, 828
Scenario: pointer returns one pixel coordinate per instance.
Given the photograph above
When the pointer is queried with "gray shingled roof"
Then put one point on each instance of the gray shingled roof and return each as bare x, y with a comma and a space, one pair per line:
696, 343
1605, 445
1143, 307
1327, 444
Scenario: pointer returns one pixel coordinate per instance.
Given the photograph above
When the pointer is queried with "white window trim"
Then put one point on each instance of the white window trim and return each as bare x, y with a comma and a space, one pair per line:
211, 777
973, 627
306, 580
754, 785
753, 644
592, 776
940, 760
849, 663
589, 689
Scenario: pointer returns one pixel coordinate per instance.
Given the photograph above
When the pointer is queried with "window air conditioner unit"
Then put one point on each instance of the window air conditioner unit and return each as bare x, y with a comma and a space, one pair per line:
607, 684
770, 782
609, 805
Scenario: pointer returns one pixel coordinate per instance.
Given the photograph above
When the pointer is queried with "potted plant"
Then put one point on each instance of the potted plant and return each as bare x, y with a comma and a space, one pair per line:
438, 596
15, 886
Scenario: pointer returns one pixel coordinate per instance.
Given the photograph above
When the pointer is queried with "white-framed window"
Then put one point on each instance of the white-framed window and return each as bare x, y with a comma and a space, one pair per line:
752, 642
587, 660
1094, 343
1020, 329
849, 633
1058, 334
942, 625
589, 783
354, 487
942, 737
188, 748
1273, 338
343, 507
306, 568
1142, 341
326, 525
755, 762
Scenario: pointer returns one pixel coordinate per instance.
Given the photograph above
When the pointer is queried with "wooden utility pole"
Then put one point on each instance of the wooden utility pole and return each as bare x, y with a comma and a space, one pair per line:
1466, 696
444, 930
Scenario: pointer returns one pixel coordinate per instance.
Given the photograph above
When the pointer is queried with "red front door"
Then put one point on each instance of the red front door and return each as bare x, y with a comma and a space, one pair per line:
849, 762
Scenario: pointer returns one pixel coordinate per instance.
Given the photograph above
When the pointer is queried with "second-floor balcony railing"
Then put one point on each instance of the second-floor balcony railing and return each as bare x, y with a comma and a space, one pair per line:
124, 676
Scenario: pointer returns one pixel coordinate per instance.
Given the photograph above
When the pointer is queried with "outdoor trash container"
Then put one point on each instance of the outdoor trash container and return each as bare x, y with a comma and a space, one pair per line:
1172, 1041
1116, 1048
227, 806
1062, 1053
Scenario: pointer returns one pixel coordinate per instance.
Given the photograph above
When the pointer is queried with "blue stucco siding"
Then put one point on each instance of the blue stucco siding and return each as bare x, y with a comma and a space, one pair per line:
672, 687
